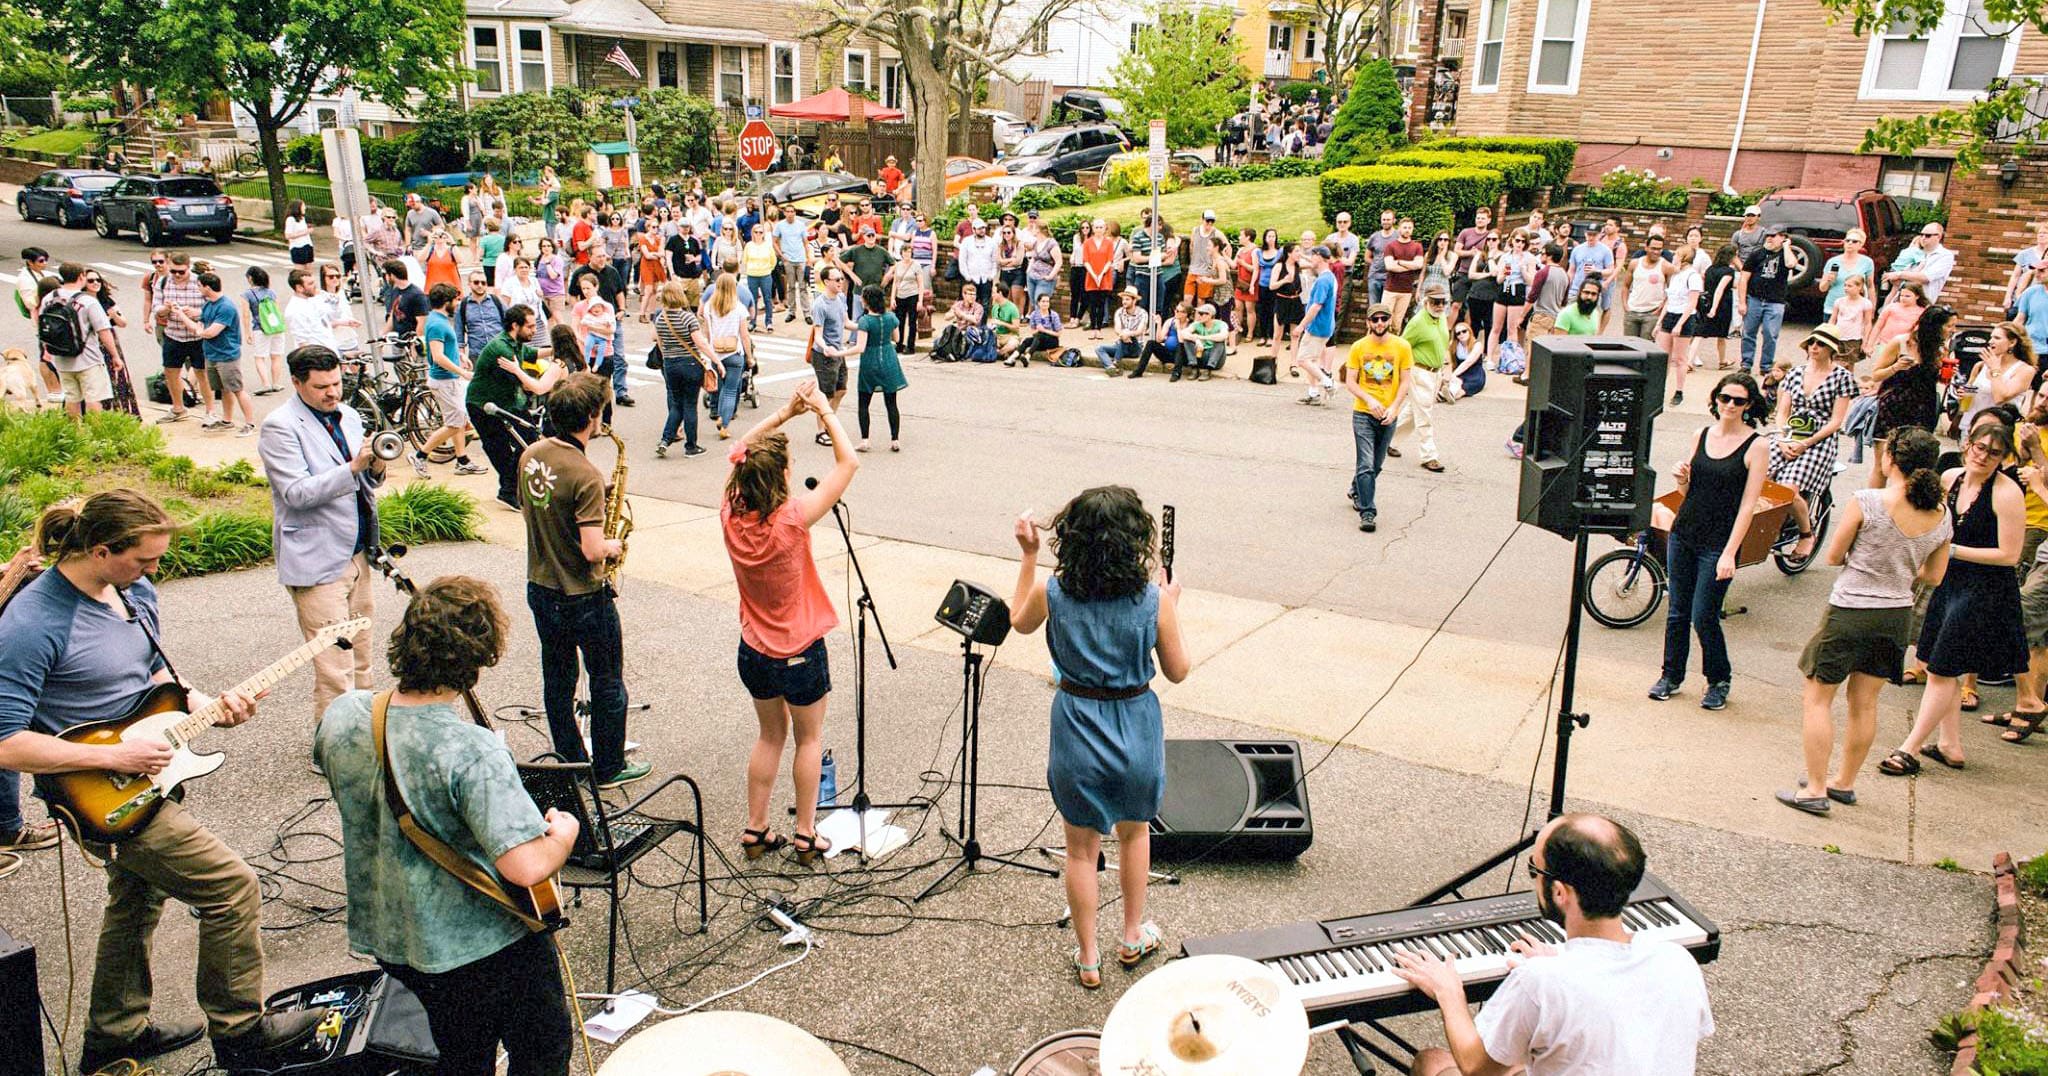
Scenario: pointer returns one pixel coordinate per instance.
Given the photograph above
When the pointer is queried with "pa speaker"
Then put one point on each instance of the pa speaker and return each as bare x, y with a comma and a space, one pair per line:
21, 1008
1586, 439
1232, 799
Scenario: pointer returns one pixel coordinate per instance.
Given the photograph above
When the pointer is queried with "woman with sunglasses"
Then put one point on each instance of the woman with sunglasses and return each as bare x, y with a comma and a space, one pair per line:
1813, 403
1974, 624
1442, 261
123, 399
1515, 267
1720, 483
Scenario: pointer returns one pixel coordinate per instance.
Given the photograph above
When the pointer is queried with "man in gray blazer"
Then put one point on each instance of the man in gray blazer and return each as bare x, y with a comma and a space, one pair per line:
322, 477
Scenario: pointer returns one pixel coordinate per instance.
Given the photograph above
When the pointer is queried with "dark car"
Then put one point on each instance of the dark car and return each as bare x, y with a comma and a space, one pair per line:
806, 190
158, 207
1818, 219
64, 195
1061, 153
1087, 106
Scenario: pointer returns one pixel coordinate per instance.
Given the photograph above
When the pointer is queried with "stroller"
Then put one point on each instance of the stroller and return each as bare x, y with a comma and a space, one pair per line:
747, 394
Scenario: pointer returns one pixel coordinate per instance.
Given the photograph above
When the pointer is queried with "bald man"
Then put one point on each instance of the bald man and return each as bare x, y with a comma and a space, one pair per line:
1602, 1004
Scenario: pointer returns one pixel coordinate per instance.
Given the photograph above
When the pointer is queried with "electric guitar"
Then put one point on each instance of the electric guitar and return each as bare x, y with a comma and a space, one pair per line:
107, 807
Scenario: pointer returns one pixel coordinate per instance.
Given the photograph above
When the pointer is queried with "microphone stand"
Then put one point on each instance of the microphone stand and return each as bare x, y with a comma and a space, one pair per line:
513, 424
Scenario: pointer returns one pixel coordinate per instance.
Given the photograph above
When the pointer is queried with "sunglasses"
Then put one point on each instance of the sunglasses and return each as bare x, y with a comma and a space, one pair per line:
1538, 872
156, 261
1379, 317
1434, 302
180, 272
1738, 401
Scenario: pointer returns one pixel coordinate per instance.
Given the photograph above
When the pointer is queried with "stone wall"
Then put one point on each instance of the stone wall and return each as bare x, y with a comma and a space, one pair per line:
1988, 222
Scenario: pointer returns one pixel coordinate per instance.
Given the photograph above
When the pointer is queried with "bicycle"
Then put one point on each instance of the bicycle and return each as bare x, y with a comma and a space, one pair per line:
399, 400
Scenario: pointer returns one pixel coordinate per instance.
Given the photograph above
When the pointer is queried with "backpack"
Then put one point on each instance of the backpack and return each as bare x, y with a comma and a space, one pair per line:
1069, 357
948, 347
1512, 360
59, 328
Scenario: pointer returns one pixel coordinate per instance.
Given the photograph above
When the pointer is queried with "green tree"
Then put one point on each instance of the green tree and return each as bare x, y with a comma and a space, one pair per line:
1969, 127
268, 56
1183, 69
27, 68
1373, 119
528, 130
676, 131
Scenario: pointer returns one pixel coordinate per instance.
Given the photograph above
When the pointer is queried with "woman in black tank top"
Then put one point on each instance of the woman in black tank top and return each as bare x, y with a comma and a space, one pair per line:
1721, 481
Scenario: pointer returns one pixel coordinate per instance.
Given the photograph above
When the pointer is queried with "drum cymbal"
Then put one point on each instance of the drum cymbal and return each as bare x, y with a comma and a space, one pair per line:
1207, 1016
1069, 1053
722, 1044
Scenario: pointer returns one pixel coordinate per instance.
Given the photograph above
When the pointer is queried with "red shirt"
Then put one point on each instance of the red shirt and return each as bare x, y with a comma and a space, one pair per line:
783, 604
890, 177
578, 236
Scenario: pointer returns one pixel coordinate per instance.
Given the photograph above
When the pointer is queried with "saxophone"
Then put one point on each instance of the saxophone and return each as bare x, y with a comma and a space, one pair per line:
618, 514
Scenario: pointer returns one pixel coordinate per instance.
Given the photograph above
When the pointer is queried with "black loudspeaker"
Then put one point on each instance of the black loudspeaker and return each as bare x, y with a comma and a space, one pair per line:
21, 1008
1586, 441
1233, 799
374, 1027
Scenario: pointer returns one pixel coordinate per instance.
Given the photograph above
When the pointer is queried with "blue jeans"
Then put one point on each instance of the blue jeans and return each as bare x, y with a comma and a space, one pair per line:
683, 378
1695, 606
619, 360
1371, 437
734, 368
1375, 287
1760, 325
10, 802
1108, 354
763, 288
1034, 287
585, 627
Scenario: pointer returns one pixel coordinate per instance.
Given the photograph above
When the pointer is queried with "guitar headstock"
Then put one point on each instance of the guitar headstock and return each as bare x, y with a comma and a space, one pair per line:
329, 634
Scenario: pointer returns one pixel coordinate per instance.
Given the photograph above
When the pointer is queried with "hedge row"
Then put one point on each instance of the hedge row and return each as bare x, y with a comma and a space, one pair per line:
1280, 168
1518, 171
1557, 153
1436, 198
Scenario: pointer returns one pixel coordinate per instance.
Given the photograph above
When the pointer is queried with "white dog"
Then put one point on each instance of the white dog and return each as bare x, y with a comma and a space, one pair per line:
21, 384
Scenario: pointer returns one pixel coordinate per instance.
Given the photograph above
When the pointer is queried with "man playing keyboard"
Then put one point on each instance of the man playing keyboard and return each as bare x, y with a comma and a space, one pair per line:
1600, 1005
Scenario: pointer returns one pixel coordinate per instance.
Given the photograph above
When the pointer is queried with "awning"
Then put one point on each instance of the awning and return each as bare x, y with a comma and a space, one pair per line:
833, 106
516, 9
633, 19
612, 149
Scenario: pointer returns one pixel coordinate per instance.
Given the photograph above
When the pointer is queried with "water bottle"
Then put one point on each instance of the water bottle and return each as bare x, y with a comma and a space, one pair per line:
828, 780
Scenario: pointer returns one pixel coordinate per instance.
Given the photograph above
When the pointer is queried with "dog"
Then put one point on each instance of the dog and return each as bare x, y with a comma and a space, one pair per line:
21, 384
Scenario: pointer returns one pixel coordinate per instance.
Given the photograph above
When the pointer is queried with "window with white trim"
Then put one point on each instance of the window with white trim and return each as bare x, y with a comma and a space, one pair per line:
1955, 60
1560, 43
1493, 37
1279, 37
858, 78
1309, 41
486, 60
782, 74
531, 45
732, 75
892, 85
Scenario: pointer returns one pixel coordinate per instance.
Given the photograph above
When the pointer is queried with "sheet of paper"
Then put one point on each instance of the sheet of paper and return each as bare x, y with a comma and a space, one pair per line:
609, 1026
631, 745
843, 829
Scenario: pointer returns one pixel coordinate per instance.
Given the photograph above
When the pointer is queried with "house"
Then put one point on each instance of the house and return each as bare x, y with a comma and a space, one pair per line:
1743, 93
1285, 39
1077, 50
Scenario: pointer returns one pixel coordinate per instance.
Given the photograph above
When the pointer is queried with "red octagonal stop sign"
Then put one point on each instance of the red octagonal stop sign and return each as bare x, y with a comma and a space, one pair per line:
757, 146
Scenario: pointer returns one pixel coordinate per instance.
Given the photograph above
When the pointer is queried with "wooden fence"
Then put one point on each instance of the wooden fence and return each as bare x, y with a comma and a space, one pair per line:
864, 147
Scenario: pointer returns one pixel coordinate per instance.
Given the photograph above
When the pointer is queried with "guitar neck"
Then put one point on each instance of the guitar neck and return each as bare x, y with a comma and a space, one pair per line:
210, 715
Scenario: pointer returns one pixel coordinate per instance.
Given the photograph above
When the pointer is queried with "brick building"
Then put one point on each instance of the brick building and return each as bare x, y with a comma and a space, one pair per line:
1996, 210
1661, 86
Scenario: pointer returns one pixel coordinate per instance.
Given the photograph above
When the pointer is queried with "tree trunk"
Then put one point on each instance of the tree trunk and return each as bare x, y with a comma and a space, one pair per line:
928, 100
273, 163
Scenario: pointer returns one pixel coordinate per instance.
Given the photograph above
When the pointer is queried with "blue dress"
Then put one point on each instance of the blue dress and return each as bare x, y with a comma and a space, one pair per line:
1107, 763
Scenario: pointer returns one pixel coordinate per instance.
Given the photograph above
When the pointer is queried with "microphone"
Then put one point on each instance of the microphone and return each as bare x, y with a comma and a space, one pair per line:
810, 481
495, 411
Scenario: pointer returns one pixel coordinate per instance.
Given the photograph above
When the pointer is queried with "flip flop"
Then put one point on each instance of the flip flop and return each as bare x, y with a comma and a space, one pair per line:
1935, 752
1910, 677
1899, 764
1971, 701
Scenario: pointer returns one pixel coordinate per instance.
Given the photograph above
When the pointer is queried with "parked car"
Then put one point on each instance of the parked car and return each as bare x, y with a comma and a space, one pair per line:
1817, 218
1009, 128
1002, 189
965, 172
1087, 106
1061, 153
806, 189
64, 195
159, 207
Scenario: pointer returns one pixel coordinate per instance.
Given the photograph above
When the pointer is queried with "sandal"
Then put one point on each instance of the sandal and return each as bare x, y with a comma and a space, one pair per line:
1911, 677
808, 847
824, 439
2021, 727
1899, 764
1088, 975
759, 842
1971, 701
2006, 717
1130, 956
1935, 752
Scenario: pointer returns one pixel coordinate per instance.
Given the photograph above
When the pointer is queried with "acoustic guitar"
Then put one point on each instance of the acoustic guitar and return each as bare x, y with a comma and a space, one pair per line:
107, 807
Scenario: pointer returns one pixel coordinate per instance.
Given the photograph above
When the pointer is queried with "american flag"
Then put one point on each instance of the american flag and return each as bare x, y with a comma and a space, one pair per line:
617, 58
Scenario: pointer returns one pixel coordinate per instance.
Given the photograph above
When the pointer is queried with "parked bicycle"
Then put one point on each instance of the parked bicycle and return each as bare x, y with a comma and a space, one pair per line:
397, 399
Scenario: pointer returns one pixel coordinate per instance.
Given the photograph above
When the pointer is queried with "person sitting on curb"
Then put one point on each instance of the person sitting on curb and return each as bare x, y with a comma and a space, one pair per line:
1207, 341
1044, 339
1008, 324
1132, 325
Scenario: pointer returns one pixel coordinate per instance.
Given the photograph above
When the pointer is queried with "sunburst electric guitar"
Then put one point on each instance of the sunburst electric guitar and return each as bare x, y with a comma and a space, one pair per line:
107, 807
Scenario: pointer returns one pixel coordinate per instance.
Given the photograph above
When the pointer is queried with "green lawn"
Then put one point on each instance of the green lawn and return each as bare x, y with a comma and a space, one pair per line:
56, 143
314, 189
1290, 205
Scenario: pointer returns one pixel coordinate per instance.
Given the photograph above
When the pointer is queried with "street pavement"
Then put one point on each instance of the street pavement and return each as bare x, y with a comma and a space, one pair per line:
1427, 648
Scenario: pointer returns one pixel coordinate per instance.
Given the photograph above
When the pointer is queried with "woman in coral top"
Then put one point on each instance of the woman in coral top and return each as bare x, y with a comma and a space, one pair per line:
439, 262
1098, 272
784, 612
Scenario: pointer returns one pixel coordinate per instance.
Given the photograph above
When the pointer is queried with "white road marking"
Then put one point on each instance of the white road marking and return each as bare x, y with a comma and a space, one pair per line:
109, 267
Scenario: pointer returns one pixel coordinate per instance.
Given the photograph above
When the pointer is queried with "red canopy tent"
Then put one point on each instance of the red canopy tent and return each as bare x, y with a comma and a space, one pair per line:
835, 105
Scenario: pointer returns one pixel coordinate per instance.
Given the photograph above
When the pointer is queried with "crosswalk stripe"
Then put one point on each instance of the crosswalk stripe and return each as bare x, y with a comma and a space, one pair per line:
109, 267
145, 267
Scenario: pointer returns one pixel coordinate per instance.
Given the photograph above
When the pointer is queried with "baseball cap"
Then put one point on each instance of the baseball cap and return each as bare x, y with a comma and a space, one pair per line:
1031, 214
1379, 309
1208, 214
1753, 211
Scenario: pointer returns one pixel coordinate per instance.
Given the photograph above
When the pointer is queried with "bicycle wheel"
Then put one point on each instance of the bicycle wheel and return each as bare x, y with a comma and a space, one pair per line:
421, 418
1791, 563
1624, 588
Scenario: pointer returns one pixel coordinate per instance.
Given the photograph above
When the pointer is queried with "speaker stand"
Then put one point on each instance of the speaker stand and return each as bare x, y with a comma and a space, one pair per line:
1102, 863
967, 839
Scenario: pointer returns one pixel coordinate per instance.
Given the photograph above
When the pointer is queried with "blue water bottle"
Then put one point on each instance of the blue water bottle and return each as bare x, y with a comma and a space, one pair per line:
828, 780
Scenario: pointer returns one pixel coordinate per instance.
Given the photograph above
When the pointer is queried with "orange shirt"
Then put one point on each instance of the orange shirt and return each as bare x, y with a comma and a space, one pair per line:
441, 270
1098, 253
783, 604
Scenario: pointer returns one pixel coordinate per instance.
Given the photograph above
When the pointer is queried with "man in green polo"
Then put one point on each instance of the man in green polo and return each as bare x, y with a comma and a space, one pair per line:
1429, 340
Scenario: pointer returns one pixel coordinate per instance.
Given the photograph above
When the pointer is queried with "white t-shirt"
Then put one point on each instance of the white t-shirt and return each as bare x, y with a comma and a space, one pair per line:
1600, 1008
311, 321
1682, 291
1646, 286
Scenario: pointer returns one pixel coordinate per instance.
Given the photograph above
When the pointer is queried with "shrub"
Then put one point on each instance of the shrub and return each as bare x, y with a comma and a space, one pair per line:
2034, 874
306, 153
676, 131
2008, 1044
1041, 199
382, 157
218, 541
1437, 198
1065, 225
1296, 92
1917, 213
955, 210
1220, 176
111, 436
1373, 118
1557, 153
426, 512
1625, 188
1131, 173
1518, 171
37, 445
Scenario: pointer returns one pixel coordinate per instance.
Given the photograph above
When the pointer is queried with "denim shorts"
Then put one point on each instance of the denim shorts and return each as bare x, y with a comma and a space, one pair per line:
799, 681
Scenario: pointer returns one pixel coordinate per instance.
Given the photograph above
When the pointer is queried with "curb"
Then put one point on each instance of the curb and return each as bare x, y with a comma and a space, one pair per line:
2002, 972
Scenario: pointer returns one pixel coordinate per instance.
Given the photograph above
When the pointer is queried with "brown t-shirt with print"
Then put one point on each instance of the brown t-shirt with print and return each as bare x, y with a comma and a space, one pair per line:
560, 493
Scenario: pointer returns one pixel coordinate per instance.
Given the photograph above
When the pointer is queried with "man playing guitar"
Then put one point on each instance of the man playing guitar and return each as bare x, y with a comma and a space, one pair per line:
483, 977
78, 645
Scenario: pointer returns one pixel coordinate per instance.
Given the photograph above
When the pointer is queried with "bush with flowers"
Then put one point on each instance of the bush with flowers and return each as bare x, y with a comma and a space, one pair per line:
1626, 188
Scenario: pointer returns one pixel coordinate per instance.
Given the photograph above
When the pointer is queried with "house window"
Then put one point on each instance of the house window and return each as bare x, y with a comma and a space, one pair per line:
1279, 37
325, 118
732, 75
485, 59
782, 76
1955, 60
892, 85
1041, 40
1914, 179
668, 67
1308, 44
532, 42
1560, 37
1493, 35
857, 78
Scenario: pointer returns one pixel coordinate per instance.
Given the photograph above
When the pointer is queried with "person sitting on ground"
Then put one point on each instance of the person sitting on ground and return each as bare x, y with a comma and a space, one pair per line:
1043, 339
1206, 342
1132, 326
1007, 323
1166, 344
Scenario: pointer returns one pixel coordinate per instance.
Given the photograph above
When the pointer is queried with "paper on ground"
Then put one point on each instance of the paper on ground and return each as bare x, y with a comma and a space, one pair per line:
591, 752
843, 829
609, 1026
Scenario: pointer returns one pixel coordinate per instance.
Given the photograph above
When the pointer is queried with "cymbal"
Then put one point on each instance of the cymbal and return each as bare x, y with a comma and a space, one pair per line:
723, 1044
1211, 1015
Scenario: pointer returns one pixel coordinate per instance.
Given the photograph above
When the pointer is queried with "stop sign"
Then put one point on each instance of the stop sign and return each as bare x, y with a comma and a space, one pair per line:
757, 146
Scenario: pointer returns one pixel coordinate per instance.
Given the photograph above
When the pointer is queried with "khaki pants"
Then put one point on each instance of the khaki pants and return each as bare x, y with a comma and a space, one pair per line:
1541, 325
176, 857
336, 670
1419, 409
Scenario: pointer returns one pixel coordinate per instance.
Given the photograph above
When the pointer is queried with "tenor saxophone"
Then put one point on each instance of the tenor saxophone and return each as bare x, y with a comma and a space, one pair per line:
618, 514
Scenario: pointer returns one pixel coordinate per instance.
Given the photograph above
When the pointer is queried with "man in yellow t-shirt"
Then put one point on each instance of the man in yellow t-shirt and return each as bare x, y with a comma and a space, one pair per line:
1376, 375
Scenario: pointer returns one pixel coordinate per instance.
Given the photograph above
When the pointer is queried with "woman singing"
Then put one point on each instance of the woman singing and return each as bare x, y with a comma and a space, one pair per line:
1106, 617
784, 612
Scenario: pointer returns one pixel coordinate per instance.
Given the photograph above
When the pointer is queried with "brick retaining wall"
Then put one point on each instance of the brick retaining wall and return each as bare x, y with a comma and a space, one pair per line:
1988, 223
2003, 971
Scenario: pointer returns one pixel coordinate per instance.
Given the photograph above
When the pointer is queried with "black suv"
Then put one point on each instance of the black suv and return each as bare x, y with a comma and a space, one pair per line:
1061, 153
158, 207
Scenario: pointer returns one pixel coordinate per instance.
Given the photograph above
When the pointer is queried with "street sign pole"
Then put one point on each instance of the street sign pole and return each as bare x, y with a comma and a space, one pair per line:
351, 190
1156, 166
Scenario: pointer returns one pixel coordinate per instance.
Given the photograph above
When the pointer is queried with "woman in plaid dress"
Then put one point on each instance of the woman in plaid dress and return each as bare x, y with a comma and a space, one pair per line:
1813, 402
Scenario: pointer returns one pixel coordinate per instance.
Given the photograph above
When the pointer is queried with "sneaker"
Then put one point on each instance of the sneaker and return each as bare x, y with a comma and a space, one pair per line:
29, 838
1697, 363
248, 430
214, 422
509, 502
1394, 452
632, 772
661, 450
157, 1037
175, 416
789, 318
1311, 397
1135, 374
1677, 398
273, 1033
1368, 522
1514, 450
1329, 383
1433, 466
625, 401
1663, 689
694, 450
419, 463
467, 466
1716, 697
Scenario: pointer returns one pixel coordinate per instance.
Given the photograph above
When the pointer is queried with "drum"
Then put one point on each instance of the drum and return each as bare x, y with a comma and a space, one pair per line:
722, 1044
1069, 1053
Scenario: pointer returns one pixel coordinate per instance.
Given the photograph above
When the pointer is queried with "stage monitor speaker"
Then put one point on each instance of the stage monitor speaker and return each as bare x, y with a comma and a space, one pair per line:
21, 1008
1232, 799
375, 1027
1586, 439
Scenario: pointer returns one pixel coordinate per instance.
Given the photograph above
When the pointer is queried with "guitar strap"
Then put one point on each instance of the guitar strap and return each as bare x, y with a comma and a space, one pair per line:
148, 633
462, 867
